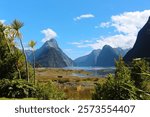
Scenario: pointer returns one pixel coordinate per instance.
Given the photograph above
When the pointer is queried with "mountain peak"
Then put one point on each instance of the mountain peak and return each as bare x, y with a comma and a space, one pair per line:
50, 55
107, 57
51, 43
107, 46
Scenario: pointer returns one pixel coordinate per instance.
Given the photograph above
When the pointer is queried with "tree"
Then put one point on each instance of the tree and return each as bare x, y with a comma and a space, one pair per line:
7, 50
139, 69
17, 25
140, 75
32, 44
118, 87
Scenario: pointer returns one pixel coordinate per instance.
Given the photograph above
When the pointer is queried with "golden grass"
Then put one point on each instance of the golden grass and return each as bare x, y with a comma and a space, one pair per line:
75, 88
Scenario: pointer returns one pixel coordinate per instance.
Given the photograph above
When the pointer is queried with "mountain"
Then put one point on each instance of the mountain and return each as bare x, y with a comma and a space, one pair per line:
50, 55
107, 57
141, 48
88, 60
121, 52
104, 57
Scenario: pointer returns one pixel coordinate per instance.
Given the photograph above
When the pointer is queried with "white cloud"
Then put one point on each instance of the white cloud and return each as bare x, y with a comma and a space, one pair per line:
84, 16
120, 40
105, 24
126, 26
2, 21
130, 22
49, 34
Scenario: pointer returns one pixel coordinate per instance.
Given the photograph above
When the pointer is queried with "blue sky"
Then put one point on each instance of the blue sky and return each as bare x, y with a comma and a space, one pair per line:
79, 26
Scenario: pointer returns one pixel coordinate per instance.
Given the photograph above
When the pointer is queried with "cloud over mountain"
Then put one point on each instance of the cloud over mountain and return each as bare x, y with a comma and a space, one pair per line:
49, 34
126, 27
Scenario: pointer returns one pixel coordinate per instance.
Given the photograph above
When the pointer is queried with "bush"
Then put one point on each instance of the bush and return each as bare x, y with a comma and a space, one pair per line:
139, 70
16, 89
126, 84
49, 91
114, 90
118, 87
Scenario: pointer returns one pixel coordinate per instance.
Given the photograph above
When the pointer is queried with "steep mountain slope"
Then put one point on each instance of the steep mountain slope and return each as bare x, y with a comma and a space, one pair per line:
107, 57
88, 60
50, 55
141, 48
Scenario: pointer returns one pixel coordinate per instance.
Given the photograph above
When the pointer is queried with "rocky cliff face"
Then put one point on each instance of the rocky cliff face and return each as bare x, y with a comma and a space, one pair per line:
50, 55
141, 48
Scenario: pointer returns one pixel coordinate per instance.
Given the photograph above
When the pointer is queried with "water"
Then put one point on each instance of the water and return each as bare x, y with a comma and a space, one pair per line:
94, 71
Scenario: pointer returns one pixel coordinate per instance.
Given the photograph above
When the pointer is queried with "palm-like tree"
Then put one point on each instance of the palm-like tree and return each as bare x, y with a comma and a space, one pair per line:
17, 25
32, 44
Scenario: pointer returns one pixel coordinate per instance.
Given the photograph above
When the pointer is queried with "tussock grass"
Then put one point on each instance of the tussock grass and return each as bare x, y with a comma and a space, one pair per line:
75, 88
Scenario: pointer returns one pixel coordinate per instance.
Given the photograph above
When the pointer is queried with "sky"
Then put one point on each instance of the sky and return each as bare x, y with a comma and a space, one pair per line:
79, 26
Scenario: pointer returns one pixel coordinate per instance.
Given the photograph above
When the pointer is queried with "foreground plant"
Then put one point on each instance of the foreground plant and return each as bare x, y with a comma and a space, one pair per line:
17, 25
32, 45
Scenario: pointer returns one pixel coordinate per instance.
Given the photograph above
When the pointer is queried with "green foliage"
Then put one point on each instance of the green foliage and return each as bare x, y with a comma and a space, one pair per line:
49, 91
139, 69
32, 44
119, 87
16, 89
10, 63
128, 82
14, 68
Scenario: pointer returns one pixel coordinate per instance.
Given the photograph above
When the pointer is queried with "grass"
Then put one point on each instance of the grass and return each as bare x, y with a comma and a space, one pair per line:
75, 88
3, 98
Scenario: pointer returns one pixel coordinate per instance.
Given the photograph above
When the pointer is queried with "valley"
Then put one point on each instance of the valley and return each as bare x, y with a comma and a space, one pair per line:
74, 87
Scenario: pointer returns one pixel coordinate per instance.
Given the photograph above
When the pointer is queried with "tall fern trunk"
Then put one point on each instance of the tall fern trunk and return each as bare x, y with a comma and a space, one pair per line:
26, 63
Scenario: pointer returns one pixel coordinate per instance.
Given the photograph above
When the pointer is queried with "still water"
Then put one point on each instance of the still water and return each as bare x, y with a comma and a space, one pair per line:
93, 71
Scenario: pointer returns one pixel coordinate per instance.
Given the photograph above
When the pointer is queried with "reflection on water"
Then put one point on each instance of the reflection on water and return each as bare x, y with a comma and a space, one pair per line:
93, 71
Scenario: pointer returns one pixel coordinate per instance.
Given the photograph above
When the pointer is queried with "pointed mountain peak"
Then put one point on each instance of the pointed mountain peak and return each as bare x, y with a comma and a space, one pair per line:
51, 43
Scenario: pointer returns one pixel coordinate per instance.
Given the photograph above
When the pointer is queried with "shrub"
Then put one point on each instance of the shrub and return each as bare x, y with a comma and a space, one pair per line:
48, 91
16, 89
118, 87
139, 71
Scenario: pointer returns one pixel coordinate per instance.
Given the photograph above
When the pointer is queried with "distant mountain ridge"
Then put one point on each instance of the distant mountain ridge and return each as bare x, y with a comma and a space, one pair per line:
141, 48
88, 60
50, 55
103, 58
